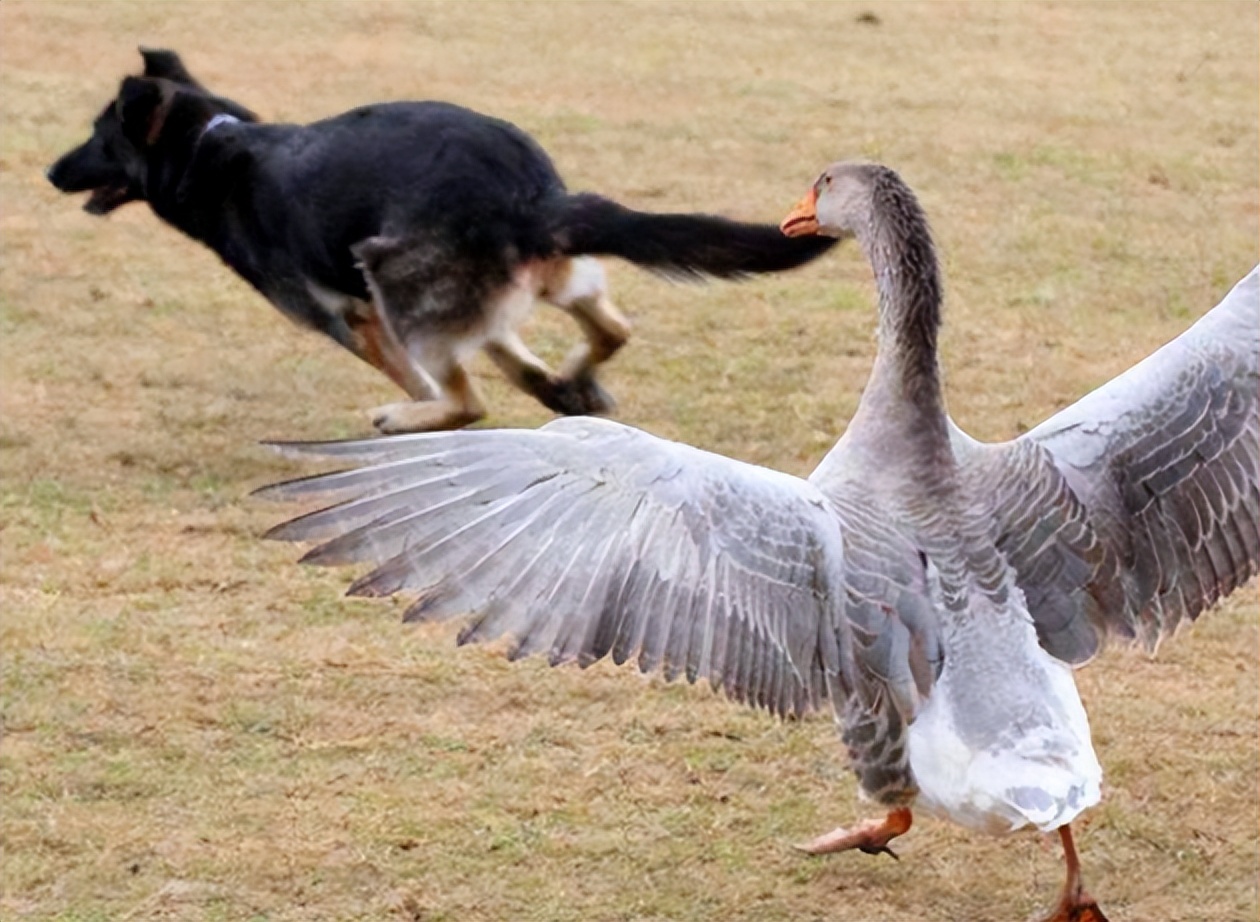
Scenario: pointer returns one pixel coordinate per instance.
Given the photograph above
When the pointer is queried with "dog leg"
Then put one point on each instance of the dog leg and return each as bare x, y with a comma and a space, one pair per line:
580, 288
531, 374
361, 326
381, 348
457, 402
458, 405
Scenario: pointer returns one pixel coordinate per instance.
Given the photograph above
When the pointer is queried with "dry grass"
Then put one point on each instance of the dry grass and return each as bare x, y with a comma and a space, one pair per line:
198, 729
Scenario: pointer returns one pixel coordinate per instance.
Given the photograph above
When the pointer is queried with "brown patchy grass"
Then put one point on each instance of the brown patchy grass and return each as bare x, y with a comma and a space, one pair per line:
197, 729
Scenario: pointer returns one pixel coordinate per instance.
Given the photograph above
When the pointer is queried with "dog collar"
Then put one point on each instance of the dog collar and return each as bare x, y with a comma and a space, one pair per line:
221, 119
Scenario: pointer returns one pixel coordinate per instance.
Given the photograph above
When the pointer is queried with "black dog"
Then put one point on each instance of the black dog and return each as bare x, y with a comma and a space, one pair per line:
411, 233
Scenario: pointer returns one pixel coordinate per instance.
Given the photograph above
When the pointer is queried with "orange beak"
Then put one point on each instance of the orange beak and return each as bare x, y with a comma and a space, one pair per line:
802, 219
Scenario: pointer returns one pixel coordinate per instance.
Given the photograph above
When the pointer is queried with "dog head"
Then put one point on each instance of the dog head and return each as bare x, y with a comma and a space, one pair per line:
112, 163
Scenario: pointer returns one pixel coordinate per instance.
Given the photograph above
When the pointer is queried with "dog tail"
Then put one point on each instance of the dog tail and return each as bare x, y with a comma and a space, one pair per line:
681, 246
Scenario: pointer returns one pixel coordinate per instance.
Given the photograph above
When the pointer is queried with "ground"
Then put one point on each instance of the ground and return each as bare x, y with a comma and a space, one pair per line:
196, 728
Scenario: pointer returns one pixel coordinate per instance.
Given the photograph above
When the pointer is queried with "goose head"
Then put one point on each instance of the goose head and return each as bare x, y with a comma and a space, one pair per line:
869, 202
839, 203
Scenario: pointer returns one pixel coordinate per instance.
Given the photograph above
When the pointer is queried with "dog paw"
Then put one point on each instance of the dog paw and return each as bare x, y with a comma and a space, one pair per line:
424, 416
393, 418
582, 395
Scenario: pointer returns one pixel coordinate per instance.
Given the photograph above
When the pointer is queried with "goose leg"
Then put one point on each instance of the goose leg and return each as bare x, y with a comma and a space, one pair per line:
1075, 905
870, 836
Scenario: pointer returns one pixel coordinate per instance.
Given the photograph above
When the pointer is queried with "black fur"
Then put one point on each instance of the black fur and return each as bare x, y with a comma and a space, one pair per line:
456, 200
679, 245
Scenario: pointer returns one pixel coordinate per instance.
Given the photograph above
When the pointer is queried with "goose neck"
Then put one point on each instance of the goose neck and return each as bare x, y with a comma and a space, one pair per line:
908, 281
902, 404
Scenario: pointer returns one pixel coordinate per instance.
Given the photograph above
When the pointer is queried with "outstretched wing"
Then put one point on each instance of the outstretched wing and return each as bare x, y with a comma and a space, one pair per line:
1138, 507
587, 537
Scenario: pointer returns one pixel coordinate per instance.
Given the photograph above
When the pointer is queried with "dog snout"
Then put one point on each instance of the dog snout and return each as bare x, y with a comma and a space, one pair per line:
61, 174
82, 169
53, 174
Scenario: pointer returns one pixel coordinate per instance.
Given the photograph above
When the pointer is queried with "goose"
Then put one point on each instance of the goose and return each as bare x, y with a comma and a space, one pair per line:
937, 592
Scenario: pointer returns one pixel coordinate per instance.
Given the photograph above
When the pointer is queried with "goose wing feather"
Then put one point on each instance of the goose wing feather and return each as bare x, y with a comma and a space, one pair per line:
1138, 507
587, 538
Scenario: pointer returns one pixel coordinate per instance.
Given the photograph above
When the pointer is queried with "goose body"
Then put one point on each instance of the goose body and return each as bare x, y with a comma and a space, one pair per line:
935, 591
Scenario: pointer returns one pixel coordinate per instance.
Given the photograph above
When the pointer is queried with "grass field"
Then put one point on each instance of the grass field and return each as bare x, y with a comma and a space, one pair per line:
195, 728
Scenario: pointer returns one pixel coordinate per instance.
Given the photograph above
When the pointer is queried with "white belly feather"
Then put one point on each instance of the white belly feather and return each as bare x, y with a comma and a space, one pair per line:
1044, 776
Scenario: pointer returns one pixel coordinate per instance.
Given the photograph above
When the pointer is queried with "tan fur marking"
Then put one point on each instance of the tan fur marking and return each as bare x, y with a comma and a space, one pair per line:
518, 364
606, 330
380, 348
163, 109
459, 405
577, 287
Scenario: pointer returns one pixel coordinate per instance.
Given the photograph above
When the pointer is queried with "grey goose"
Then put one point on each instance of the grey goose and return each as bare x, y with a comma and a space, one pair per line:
935, 591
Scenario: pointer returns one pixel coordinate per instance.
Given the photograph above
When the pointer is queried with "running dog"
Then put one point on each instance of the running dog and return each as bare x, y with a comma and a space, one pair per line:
412, 233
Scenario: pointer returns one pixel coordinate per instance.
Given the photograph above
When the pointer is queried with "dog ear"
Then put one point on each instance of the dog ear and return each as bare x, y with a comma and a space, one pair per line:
159, 62
166, 65
140, 109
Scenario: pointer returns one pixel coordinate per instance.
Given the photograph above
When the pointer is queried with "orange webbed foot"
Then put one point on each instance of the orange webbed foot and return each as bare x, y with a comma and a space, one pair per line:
1082, 908
1075, 905
871, 836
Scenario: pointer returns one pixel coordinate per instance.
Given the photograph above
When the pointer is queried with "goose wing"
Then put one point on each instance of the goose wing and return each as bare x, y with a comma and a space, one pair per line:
587, 537
1138, 507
